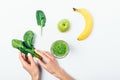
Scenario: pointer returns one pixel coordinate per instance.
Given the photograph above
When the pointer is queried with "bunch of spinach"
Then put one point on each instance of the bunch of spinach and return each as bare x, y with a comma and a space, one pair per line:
26, 46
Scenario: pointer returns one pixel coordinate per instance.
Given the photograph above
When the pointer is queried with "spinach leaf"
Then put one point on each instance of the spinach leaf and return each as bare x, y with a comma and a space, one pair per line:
41, 19
19, 45
28, 39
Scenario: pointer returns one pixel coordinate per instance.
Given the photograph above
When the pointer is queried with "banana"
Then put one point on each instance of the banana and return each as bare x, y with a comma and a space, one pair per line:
89, 23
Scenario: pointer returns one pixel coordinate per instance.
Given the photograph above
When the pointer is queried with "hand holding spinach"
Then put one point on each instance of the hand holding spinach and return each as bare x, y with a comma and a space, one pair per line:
26, 46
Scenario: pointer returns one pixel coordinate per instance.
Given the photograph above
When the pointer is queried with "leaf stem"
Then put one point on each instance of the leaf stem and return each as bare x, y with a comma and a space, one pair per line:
41, 31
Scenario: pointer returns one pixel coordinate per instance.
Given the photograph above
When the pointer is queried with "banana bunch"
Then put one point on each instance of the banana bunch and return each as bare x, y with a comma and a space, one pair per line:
89, 23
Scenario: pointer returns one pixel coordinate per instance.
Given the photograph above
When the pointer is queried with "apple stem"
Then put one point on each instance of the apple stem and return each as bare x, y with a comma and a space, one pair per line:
63, 24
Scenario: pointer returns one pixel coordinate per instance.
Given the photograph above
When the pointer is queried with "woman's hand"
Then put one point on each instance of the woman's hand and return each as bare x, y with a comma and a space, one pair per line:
30, 66
50, 64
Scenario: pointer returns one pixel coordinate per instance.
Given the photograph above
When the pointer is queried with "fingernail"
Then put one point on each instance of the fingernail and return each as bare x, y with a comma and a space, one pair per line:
36, 59
29, 54
35, 50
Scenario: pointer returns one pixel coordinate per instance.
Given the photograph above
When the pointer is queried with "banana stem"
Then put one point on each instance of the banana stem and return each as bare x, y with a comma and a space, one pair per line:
74, 9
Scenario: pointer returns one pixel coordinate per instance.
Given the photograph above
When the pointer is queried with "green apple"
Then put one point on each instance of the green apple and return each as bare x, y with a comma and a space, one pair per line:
63, 25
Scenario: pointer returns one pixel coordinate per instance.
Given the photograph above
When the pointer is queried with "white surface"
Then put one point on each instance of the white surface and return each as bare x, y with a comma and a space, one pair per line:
96, 58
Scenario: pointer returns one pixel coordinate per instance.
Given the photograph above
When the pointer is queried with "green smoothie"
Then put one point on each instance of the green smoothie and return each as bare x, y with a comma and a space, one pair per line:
59, 49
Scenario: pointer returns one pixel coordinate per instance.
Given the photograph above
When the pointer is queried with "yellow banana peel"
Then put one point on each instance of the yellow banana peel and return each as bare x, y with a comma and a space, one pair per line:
89, 23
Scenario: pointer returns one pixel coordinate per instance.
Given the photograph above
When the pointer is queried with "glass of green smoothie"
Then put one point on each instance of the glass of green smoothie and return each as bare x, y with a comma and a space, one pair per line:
59, 49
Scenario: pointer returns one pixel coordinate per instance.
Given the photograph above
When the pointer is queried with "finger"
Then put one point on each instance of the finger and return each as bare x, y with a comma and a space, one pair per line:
24, 63
30, 58
21, 55
25, 57
41, 53
39, 66
49, 54
41, 63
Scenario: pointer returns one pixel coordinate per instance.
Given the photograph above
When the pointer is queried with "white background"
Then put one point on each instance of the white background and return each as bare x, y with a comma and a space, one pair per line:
96, 58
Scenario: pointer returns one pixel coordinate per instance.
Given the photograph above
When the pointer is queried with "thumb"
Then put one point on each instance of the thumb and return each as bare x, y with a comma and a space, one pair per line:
30, 58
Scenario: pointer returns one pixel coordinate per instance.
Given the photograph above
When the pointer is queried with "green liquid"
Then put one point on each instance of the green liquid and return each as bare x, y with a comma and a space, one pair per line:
60, 49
